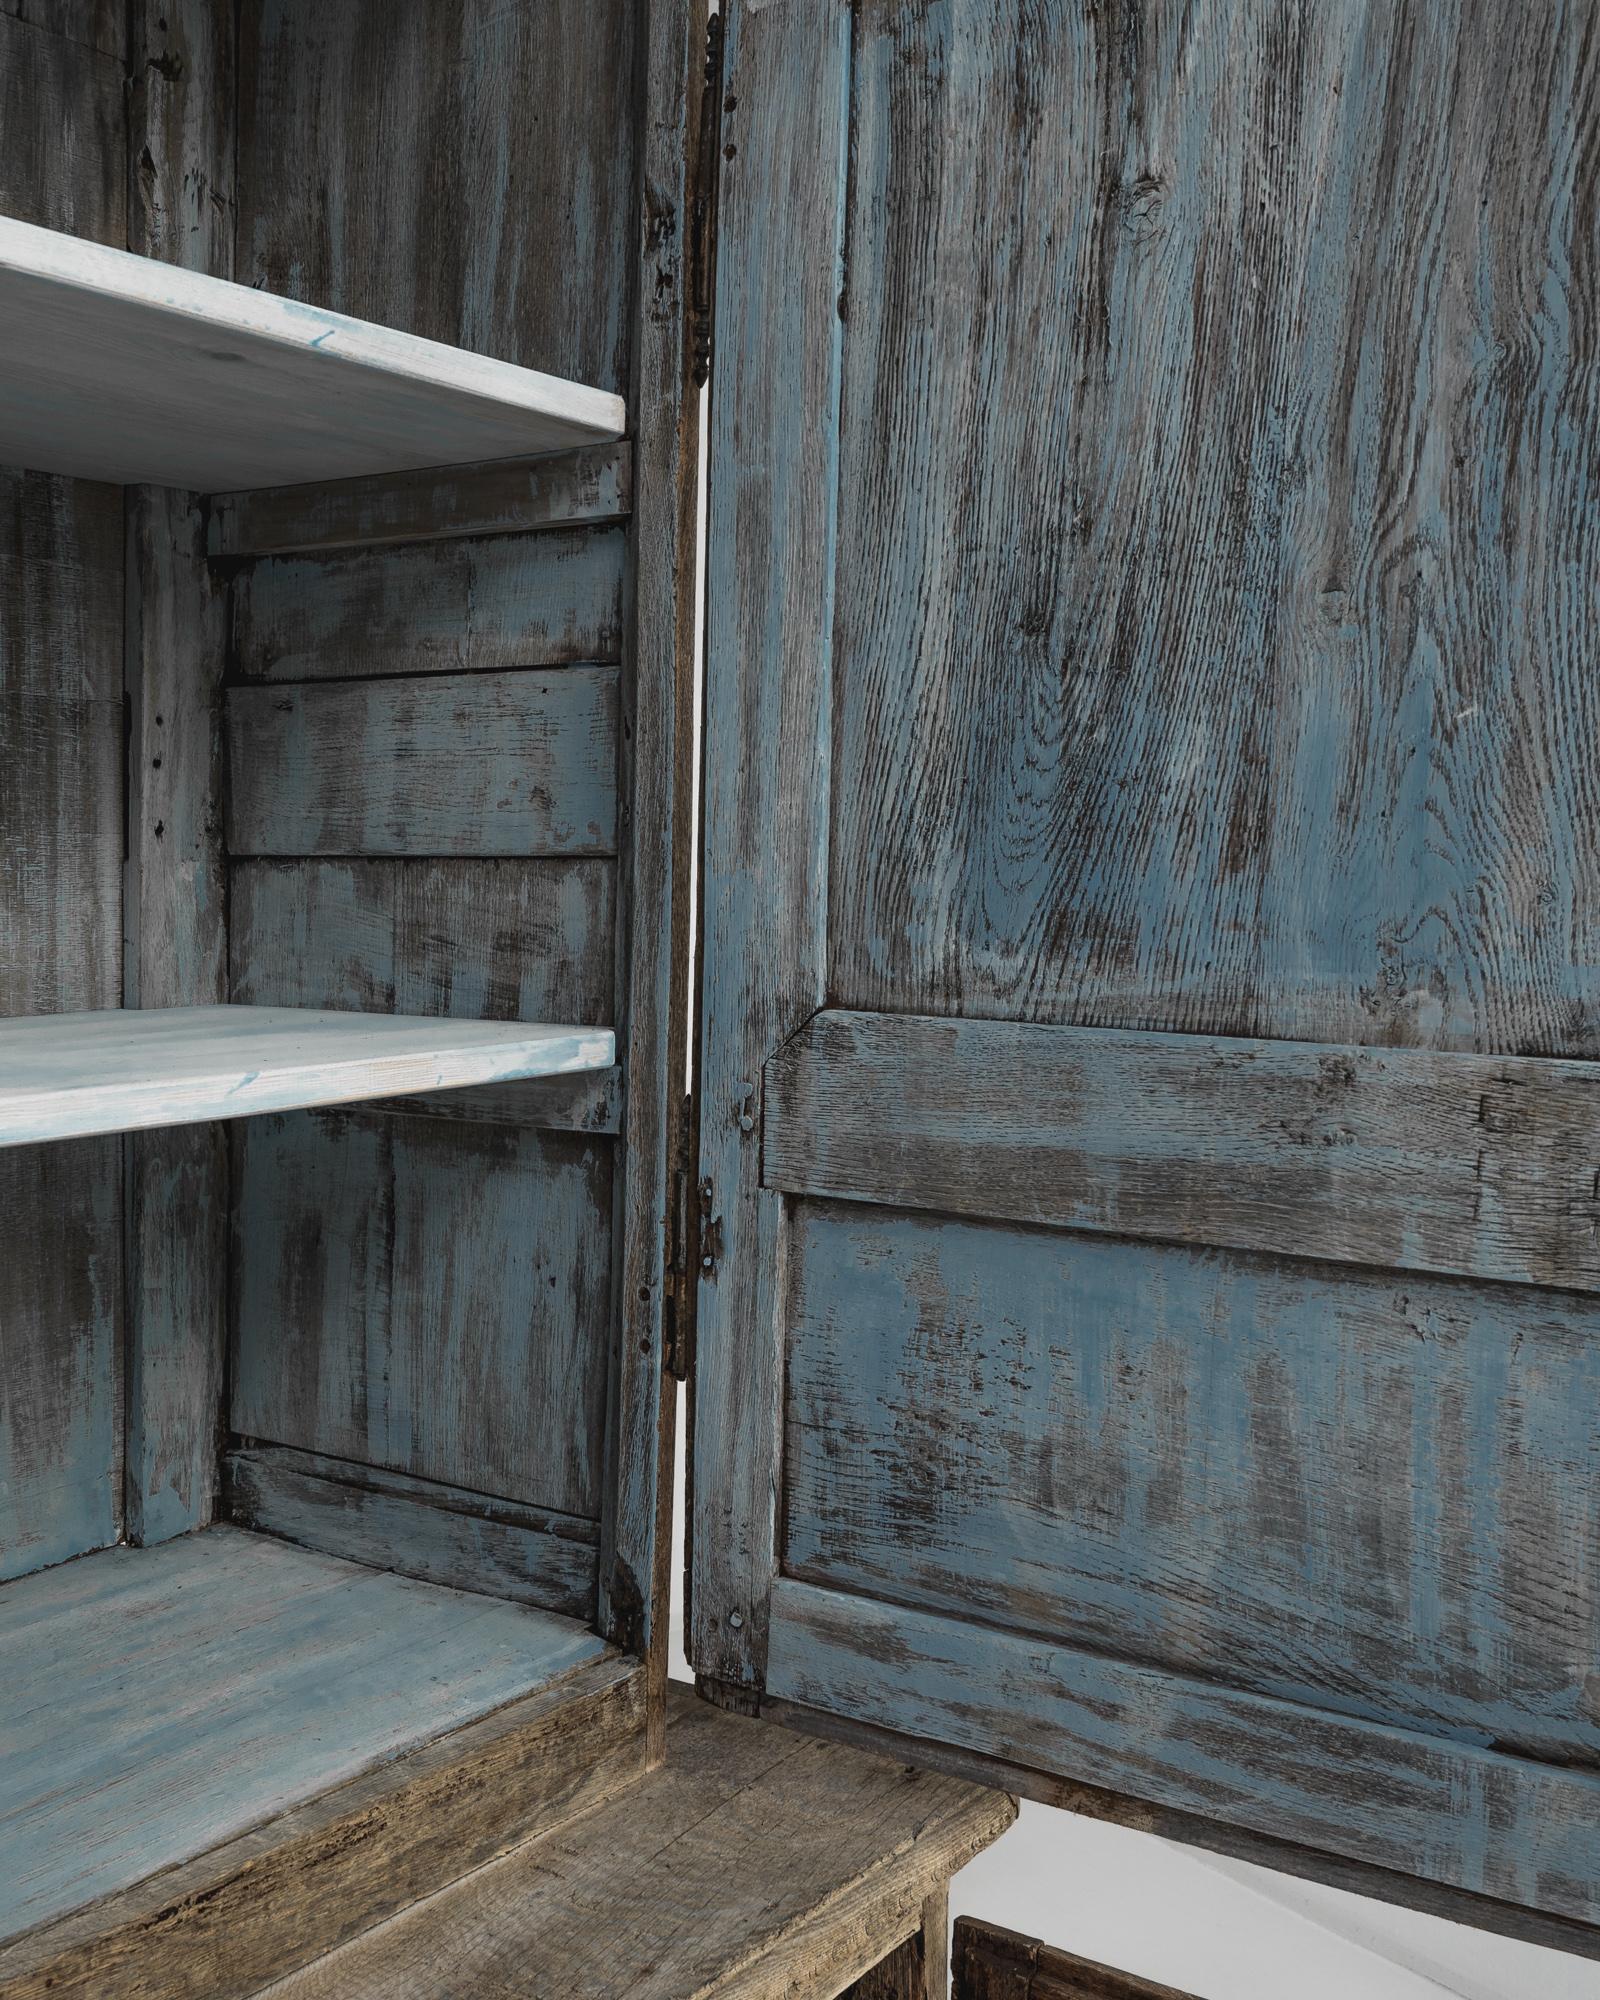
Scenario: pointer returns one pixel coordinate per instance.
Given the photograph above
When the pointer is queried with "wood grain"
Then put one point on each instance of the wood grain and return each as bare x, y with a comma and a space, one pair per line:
467, 171
506, 496
99, 24
752, 1865
427, 1296
996, 1964
1476, 1166
920, 1968
215, 1927
1358, 1492
61, 107
471, 764
539, 600
769, 557
1256, 706
1424, 1805
417, 1528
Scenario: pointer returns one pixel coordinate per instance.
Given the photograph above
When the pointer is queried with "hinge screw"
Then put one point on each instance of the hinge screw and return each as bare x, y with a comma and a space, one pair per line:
706, 1263
736, 1620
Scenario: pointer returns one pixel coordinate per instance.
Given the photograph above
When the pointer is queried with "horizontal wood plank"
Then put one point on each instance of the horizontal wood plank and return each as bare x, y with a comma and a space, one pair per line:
503, 497
1336, 1487
474, 764
125, 369
752, 1865
1409, 1159
994, 1964
546, 600
416, 1527
65, 1076
1449, 1811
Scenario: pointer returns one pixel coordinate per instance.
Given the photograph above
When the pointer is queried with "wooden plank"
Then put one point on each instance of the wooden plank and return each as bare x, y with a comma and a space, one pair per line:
99, 24
1410, 1159
1347, 1490
387, 167
270, 1899
479, 940
920, 1968
504, 497
61, 107
539, 600
181, 90
60, 1388
589, 1103
996, 1964
429, 1297
417, 1528
752, 1864
659, 762
64, 1076
126, 370
769, 561
1449, 1811
61, 1291
1132, 733
472, 764
102, 1790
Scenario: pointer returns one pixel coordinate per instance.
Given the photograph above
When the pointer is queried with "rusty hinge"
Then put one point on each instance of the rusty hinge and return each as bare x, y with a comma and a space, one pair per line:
703, 213
682, 1256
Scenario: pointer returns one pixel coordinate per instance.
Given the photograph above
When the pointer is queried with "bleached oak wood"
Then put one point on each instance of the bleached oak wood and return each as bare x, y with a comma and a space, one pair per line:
123, 369
125, 1070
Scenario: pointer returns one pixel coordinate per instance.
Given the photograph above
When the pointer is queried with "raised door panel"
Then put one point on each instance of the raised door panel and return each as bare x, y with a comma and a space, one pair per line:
1147, 1340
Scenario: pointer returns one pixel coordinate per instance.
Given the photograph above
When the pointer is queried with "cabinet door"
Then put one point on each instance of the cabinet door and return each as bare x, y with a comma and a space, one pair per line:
1150, 1159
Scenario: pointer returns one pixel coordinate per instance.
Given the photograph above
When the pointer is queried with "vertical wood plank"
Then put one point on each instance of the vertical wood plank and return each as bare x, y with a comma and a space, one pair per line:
920, 1968
654, 864
770, 559
180, 211
61, 109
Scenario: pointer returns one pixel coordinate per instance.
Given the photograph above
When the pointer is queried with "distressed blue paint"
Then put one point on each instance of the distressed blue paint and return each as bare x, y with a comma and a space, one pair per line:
1495, 1825
155, 1702
428, 1297
1359, 1492
530, 600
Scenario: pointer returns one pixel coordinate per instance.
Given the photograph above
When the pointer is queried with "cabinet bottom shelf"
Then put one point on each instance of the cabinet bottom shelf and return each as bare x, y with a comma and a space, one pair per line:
183, 1727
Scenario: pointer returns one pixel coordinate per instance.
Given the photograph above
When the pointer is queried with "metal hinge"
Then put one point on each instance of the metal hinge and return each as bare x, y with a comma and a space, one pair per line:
682, 1259
703, 213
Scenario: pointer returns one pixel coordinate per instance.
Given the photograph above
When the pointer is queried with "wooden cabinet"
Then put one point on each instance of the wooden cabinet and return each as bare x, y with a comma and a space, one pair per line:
1131, 1233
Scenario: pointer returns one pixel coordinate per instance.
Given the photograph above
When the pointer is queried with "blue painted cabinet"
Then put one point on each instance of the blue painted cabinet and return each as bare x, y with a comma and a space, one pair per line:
1149, 1151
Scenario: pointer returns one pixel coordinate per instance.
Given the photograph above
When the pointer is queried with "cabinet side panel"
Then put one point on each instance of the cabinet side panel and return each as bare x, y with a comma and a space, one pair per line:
61, 806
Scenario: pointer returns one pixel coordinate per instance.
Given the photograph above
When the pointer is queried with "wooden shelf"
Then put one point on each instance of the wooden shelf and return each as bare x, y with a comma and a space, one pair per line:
119, 368
158, 1703
65, 1076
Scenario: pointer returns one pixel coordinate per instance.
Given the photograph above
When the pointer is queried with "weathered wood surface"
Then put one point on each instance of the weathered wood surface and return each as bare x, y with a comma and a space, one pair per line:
659, 763
61, 109
121, 1758
98, 24
428, 1296
128, 370
1410, 1159
588, 1103
66, 1076
1418, 1804
469, 764
181, 94
1364, 1493
504, 497
61, 803
1257, 706
306, 1880
754, 1864
540, 600
417, 1528
390, 165
478, 940
995, 1964
769, 556
917, 1970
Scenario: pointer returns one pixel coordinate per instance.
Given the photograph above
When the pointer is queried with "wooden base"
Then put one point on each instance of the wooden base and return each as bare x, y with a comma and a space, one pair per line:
224, 1755
753, 1862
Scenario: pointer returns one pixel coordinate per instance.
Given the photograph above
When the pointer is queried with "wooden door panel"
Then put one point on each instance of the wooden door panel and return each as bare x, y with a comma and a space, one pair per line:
1149, 1169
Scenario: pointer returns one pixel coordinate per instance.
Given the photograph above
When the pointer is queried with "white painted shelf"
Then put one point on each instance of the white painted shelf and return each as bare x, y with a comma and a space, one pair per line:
123, 369
66, 1076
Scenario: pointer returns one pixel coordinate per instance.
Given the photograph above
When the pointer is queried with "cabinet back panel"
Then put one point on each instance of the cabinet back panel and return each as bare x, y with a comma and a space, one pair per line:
61, 808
